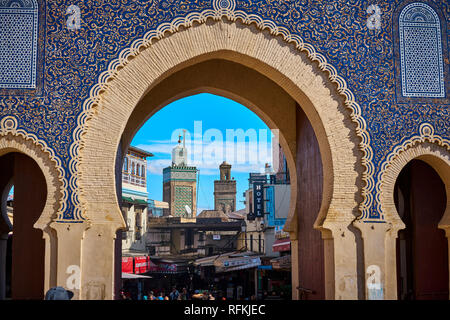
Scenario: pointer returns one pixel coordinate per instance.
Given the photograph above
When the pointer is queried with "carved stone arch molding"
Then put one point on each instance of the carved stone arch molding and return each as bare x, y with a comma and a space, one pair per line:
13, 139
426, 146
220, 32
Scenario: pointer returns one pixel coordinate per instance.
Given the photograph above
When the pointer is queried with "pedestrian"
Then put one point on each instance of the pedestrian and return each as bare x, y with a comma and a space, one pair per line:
58, 293
151, 296
174, 294
197, 295
161, 296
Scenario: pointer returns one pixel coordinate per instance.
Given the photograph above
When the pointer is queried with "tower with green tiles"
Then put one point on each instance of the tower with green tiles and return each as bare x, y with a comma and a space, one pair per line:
180, 184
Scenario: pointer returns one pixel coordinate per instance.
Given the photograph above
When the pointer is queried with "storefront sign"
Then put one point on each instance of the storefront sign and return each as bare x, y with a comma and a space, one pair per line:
258, 200
127, 264
141, 264
162, 267
238, 264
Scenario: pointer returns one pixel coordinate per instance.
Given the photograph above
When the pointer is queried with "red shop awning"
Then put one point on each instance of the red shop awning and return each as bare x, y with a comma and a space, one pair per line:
282, 245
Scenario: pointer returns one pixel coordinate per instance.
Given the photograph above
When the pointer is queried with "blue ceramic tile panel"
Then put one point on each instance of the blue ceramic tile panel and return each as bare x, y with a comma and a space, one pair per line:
421, 52
18, 44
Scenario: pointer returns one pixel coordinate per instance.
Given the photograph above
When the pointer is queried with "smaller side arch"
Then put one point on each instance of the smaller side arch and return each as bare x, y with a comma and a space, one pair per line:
17, 140
426, 146
435, 151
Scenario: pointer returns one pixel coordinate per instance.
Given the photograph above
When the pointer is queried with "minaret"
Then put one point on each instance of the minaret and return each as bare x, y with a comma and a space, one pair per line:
179, 153
180, 183
225, 190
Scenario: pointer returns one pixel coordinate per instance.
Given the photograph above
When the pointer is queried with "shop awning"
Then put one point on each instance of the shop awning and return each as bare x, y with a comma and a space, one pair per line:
282, 245
140, 201
233, 264
283, 262
208, 261
127, 199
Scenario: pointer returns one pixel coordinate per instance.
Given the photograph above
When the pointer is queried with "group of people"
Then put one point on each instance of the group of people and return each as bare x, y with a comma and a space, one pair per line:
175, 294
151, 295
184, 294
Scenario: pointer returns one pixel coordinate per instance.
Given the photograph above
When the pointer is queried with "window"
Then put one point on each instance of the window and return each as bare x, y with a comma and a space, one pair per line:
189, 238
138, 224
125, 164
125, 217
421, 60
18, 44
259, 242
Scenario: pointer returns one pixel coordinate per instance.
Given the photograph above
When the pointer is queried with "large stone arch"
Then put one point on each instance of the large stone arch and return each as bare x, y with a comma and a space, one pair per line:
268, 55
18, 140
271, 56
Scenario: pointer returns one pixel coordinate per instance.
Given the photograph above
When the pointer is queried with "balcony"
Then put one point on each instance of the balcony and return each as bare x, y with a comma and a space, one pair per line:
133, 179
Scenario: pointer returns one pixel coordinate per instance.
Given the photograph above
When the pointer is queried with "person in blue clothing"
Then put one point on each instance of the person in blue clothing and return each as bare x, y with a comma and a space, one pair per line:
174, 294
58, 293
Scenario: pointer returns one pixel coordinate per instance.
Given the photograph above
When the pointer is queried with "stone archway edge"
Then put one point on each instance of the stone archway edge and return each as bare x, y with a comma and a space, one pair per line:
18, 140
8, 126
426, 133
90, 104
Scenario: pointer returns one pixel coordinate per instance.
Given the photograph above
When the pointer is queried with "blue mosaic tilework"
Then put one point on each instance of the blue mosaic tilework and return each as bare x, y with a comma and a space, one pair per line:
366, 59
421, 52
18, 44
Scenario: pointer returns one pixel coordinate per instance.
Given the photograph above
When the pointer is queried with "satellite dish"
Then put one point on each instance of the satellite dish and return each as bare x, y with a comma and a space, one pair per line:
188, 209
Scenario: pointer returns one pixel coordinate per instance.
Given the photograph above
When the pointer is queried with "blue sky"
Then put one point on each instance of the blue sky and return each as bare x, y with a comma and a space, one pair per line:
209, 129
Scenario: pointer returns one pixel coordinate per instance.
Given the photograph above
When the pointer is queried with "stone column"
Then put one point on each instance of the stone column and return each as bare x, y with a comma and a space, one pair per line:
344, 258
69, 239
294, 265
446, 228
98, 254
377, 242
3, 248
328, 245
391, 259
